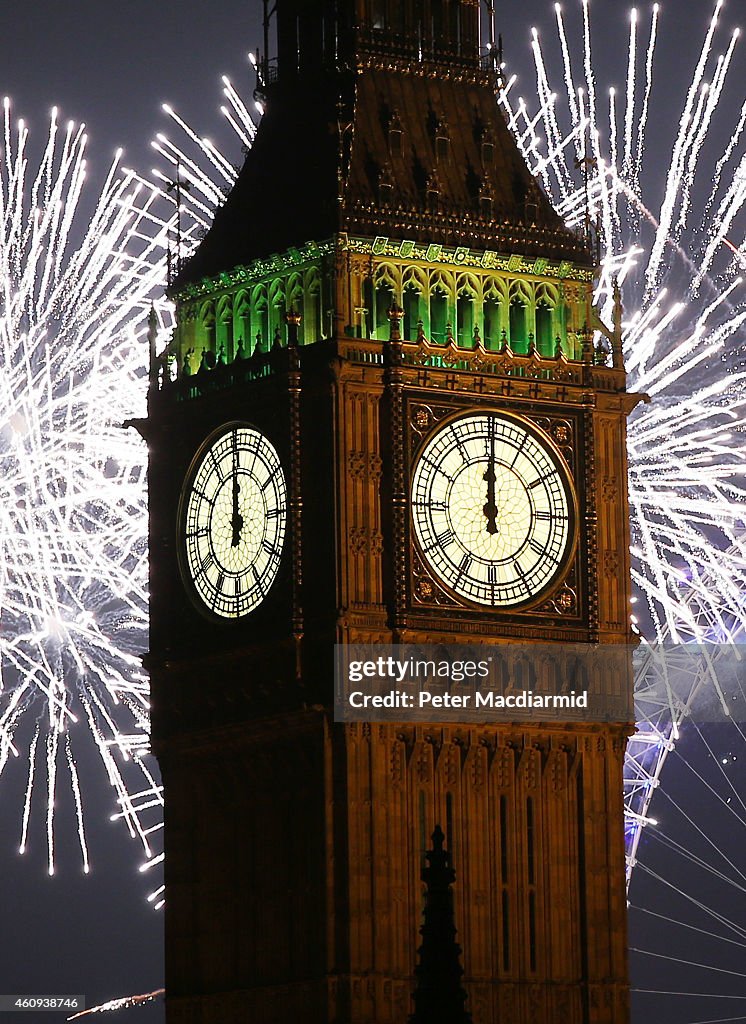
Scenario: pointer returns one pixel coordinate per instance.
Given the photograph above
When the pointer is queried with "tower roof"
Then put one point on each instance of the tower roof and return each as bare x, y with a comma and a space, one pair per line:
381, 137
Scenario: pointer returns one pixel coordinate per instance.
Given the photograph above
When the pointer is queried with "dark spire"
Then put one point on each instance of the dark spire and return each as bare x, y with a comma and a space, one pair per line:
438, 996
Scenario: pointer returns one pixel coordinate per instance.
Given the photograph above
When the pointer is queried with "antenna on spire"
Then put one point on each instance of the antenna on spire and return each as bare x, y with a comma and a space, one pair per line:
587, 164
176, 188
262, 66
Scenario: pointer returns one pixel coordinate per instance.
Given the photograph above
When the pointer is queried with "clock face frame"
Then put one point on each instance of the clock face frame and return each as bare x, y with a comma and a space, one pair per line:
494, 511
232, 522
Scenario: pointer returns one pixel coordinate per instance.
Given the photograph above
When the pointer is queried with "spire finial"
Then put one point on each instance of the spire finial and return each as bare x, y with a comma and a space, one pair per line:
439, 997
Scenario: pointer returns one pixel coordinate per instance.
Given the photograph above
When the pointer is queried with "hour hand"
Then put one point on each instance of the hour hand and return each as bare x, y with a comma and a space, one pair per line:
236, 518
490, 507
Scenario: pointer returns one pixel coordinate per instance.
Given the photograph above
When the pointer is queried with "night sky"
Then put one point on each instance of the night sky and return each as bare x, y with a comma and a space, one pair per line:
112, 66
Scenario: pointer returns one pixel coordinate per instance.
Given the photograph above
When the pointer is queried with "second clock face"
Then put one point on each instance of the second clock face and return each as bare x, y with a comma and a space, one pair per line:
492, 509
233, 521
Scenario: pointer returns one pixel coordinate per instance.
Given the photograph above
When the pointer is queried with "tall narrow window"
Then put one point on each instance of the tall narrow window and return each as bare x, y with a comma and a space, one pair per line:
491, 323
438, 317
384, 301
518, 327
532, 930
379, 14
411, 314
261, 340
506, 930
206, 333
544, 341
531, 878
224, 329
504, 903
465, 321
310, 328
423, 827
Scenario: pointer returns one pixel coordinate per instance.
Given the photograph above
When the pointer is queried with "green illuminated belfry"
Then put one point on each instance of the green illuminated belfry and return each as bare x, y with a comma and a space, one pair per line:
383, 170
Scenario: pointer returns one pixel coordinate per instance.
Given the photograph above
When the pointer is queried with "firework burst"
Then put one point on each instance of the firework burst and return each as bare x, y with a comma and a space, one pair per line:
74, 300
680, 275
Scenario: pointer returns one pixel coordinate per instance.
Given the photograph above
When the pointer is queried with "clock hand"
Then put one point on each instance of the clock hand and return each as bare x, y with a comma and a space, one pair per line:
490, 508
236, 518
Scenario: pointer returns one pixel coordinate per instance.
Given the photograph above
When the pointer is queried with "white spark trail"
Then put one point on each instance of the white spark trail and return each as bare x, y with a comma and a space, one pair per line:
74, 299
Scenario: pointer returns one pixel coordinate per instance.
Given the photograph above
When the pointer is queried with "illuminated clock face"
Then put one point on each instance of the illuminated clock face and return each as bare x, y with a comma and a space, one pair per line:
492, 509
233, 520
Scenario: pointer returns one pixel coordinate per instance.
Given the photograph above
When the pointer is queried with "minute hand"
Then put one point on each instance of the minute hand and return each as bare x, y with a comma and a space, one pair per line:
236, 518
490, 508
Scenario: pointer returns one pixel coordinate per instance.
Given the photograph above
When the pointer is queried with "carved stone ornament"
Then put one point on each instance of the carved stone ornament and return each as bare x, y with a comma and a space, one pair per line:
358, 540
609, 488
562, 433
422, 417
564, 602
357, 461
611, 563
426, 590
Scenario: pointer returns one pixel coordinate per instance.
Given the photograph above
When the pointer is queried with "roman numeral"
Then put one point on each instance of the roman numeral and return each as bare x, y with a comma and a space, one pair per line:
464, 565
272, 551
460, 445
206, 562
202, 495
218, 466
518, 451
258, 579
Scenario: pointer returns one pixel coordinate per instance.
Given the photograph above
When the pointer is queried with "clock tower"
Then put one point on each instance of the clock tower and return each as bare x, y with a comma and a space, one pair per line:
388, 415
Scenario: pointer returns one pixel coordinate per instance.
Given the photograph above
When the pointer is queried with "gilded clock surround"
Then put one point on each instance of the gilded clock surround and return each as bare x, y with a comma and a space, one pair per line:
478, 522
236, 489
